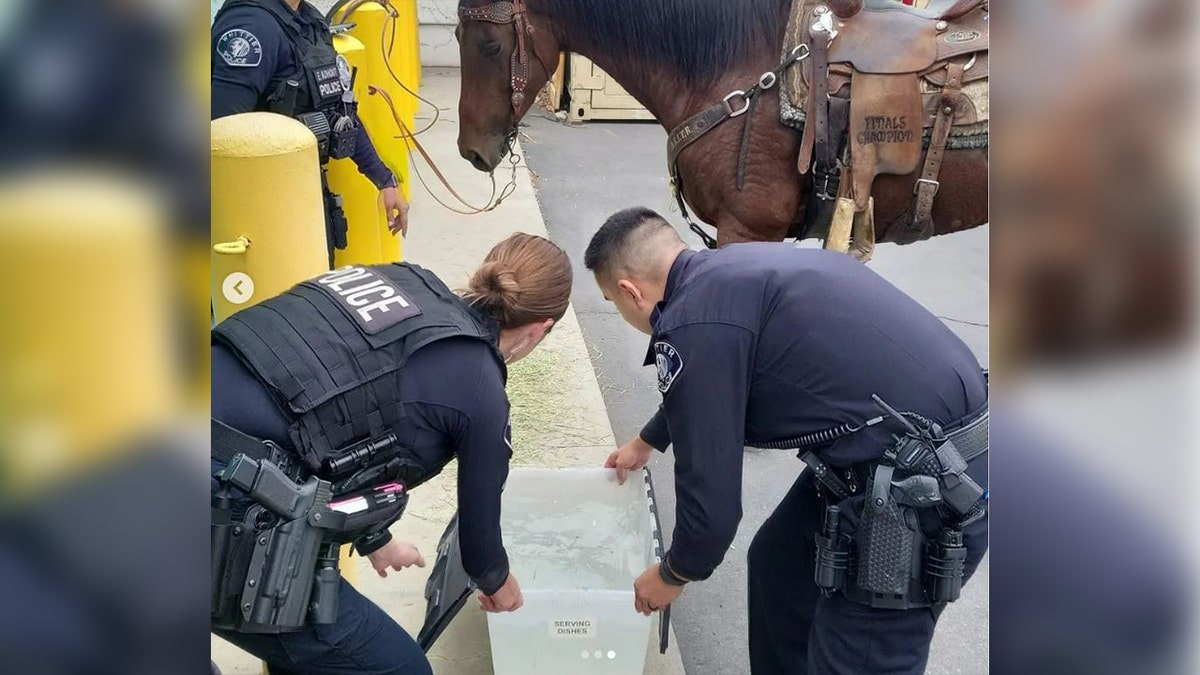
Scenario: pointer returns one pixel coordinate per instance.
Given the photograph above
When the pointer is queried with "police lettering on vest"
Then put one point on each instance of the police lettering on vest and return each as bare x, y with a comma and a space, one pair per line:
372, 300
373, 318
329, 81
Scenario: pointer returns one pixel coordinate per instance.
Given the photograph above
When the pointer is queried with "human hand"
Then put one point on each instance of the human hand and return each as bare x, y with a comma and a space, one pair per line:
629, 457
651, 593
396, 209
397, 555
507, 599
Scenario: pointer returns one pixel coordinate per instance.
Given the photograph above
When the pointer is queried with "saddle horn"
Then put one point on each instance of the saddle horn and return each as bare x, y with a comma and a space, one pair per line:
844, 9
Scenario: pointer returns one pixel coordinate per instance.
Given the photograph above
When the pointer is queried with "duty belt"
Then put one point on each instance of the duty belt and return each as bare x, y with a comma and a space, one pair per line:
888, 562
971, 439
228, 442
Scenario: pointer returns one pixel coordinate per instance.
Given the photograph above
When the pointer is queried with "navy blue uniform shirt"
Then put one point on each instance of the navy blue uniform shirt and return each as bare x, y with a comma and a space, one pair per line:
766, 342
242, 84
455, 405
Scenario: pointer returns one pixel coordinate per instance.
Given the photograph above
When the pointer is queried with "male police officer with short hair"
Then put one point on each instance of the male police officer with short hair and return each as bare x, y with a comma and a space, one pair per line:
773, 346
278, 56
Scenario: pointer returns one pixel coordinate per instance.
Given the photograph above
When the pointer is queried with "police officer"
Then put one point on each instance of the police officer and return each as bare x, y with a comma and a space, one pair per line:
278, 56
773, 346
360, 357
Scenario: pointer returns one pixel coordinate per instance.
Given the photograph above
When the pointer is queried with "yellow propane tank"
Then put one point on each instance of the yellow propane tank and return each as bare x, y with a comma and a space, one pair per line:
367, 225
86, 355
268, 219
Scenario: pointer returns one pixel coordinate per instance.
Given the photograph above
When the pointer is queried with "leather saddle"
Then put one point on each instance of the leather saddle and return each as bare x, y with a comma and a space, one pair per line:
881, 73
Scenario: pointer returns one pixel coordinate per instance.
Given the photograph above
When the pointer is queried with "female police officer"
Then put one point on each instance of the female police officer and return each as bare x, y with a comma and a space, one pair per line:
382, 357
278, 56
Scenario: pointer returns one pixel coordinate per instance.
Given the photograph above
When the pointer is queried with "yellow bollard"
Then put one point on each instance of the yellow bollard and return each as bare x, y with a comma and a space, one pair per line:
410, 28
371, 19
348, 565
86, 355
268, 219
367, 225
382, 36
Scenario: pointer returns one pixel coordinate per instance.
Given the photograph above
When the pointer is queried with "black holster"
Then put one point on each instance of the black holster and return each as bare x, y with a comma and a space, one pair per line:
889, 547
264, 568
336, 225
275, 553
920, 485
232, 546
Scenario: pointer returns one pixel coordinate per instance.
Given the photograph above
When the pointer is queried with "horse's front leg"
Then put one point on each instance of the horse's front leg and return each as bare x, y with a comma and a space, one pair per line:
767, 204
763, 210
731, 230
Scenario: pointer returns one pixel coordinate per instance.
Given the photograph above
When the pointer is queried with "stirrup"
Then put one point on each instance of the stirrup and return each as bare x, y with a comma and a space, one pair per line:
862, 246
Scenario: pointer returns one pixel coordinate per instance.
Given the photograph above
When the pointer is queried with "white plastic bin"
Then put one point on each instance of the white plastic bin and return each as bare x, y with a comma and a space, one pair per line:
576, 541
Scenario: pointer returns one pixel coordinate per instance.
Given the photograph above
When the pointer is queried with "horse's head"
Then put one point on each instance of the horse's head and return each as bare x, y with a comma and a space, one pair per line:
507, 56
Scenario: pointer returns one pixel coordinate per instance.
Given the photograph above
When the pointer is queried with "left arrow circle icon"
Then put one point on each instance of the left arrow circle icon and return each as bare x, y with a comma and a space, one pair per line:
238, 288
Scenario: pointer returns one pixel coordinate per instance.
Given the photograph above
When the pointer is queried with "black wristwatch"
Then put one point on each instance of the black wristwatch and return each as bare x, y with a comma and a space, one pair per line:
669, 576
368, 544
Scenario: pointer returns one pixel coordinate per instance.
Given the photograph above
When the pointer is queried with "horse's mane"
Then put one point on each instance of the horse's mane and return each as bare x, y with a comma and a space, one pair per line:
699, 39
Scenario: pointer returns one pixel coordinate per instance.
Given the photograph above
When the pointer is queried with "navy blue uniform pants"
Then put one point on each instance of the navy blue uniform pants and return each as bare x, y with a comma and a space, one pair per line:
795, 630
363, 641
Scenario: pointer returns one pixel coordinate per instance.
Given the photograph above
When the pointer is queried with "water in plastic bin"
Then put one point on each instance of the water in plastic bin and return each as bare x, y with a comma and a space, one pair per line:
576, 541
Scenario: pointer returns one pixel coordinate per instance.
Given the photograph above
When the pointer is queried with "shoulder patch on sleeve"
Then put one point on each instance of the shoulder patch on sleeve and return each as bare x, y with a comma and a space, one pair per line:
669, 364
240, 48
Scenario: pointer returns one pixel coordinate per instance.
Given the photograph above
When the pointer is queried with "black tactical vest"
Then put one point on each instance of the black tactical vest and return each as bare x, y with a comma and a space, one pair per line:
332, 349
320, 77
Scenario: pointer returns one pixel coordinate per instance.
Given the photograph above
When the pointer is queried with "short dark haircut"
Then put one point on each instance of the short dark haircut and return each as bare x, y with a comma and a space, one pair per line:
616, 240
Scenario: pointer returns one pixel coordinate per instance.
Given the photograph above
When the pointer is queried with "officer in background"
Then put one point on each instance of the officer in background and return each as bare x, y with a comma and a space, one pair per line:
371, 379
278, 56
772, 346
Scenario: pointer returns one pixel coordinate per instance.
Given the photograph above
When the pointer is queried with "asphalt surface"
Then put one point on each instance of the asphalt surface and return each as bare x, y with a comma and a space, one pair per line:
583, 173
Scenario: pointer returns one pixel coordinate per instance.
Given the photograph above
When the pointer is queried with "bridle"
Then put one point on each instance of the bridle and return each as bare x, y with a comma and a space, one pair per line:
502, 13
513, 12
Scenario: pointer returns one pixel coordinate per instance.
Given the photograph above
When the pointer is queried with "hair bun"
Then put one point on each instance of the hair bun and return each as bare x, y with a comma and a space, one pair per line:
542, 292
496, 282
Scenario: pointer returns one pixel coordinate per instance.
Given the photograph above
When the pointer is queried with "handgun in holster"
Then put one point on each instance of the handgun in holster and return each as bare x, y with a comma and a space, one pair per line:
889, 545
292, 569
896, 567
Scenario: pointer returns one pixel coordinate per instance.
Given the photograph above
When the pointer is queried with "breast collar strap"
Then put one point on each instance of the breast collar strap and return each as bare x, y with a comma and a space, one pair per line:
735, 104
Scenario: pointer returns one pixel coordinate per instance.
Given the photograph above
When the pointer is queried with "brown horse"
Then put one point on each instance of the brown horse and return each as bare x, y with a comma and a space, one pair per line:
678, 57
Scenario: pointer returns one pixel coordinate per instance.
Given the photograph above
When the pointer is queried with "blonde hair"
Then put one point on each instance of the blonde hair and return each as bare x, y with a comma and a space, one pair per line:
524, 279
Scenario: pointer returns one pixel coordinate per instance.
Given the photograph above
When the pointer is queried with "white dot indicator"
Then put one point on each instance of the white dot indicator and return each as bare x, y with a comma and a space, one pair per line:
611, 655
599, 654
586, 655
